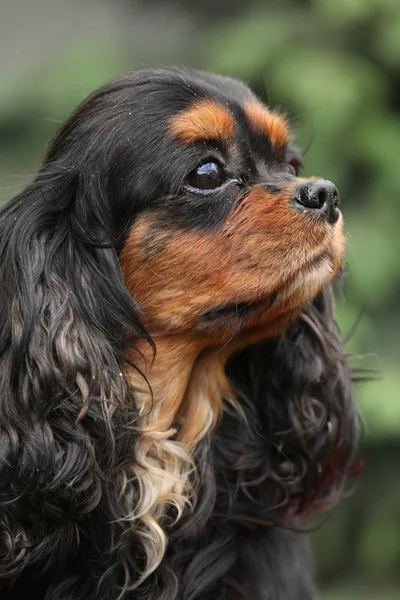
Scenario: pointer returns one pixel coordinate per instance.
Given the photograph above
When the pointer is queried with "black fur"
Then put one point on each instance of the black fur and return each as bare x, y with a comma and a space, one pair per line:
68, 420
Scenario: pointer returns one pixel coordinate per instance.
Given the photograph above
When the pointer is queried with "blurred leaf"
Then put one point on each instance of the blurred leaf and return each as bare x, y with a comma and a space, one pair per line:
373, 246
380, 544
379, 403
387, 40
331, 84
360, 592
354, 11
244, 51
351, 317
83, 67
378, 140
345, 11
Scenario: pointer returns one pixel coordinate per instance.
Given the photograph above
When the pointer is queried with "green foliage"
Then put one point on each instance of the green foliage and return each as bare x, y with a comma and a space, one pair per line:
33, 105
360, 592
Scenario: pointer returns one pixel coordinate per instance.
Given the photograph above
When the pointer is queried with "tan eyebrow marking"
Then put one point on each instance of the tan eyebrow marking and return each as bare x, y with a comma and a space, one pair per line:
271, 123
203, 120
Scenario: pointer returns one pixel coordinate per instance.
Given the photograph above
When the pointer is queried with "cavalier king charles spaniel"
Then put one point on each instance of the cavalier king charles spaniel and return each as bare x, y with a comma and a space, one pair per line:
175, 396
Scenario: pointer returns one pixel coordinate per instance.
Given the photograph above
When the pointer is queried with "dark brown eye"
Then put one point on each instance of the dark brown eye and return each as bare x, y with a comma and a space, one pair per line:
207, 176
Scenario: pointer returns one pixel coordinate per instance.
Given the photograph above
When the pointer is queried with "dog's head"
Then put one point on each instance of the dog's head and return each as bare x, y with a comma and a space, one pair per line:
217, 232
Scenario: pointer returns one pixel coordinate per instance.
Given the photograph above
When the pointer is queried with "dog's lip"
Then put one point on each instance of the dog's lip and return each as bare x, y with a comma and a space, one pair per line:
238, 309
248, 307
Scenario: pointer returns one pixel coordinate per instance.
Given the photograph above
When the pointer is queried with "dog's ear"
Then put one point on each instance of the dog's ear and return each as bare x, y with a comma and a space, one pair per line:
66, 316
300, 404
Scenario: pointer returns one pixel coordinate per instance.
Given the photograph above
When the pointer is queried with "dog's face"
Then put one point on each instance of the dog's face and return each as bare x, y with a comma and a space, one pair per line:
220, 235
234, 238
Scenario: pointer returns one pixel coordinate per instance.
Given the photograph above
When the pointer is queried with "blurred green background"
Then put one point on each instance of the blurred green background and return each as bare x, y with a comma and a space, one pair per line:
334, 66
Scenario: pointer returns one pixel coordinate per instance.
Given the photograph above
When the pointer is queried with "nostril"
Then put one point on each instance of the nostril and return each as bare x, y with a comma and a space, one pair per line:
322, 196
308, 197
335, 198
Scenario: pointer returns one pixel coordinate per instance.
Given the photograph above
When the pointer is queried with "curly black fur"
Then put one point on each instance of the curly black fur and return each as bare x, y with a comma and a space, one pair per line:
68, 418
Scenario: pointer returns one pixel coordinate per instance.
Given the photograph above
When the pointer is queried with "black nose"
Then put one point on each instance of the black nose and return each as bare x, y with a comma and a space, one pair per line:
320, 196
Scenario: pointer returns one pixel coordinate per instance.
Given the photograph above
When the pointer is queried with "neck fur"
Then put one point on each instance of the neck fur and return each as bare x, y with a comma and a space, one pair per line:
179, 401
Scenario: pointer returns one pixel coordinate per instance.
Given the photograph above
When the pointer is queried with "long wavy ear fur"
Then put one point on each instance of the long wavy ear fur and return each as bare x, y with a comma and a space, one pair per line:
301, 414
66, 415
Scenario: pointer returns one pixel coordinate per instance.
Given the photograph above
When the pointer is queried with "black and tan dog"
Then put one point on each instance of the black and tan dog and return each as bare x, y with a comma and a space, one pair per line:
174, 396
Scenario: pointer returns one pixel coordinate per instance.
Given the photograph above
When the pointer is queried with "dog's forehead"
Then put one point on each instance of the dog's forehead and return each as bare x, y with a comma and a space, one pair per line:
218, 109
207, 119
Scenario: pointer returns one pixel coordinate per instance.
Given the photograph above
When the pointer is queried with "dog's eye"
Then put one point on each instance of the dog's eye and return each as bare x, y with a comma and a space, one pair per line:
293, 167
207, 176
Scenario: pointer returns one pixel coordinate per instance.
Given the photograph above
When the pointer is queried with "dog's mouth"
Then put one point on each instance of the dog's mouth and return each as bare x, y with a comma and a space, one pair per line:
240, 311
281, 301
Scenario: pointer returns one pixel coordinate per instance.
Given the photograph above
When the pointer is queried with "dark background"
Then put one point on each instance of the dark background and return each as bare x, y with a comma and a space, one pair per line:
334, 66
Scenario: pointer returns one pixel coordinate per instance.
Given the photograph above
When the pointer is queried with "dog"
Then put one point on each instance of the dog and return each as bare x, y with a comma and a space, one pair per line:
175, 396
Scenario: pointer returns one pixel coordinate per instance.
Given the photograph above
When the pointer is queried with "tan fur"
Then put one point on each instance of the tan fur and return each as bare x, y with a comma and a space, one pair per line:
184, 403
204, 120
271, 123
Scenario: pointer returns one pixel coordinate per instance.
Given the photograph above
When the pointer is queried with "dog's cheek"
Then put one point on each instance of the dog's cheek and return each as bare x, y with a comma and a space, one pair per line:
172, 273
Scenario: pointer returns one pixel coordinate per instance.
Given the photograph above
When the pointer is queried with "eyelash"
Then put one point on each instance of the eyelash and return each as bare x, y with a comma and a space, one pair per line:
201, 192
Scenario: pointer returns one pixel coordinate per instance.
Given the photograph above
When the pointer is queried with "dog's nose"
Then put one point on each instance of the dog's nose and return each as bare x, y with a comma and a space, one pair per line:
320, 196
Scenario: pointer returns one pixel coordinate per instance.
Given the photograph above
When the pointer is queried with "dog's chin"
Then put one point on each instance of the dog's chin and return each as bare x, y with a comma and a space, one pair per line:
269, 314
